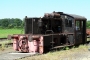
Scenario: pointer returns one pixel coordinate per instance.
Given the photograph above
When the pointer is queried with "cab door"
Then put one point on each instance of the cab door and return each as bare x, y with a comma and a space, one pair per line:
80, 31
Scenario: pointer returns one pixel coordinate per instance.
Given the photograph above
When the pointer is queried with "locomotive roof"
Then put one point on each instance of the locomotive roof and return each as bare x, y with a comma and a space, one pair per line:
77, 17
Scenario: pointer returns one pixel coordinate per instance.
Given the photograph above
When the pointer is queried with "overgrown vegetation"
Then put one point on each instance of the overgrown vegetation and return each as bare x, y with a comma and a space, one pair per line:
3, 44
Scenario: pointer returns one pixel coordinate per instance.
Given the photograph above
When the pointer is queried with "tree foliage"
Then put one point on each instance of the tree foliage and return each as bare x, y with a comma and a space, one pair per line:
4, 23
88, 24
11, 23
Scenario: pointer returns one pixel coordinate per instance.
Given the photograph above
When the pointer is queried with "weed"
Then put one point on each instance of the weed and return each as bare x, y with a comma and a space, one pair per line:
66, 48
3, 44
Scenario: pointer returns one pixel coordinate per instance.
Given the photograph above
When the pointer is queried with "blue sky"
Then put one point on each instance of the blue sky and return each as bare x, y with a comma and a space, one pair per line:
37, 8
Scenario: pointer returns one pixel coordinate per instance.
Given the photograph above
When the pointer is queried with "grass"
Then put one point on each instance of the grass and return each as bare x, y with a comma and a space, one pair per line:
59, 55
3, 46
5, 32
5, 50
6, 41
88, 39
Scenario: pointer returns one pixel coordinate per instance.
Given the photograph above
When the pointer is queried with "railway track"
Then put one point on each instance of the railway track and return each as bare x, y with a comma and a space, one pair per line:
5, 41
1, 39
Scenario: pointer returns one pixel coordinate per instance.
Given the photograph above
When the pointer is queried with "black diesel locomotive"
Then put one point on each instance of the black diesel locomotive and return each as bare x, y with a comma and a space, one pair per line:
51, 31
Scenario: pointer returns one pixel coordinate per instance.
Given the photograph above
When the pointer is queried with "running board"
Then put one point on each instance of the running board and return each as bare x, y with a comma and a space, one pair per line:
61, 46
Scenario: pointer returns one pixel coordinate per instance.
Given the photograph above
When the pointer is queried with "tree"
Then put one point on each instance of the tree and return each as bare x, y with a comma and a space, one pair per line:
11, 23
88, 24
17, 22
4, 23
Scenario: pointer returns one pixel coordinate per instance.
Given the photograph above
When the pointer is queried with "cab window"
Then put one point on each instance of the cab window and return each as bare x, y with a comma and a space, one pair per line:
68, 21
